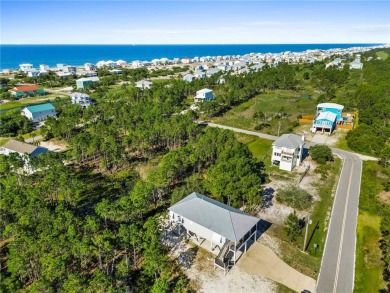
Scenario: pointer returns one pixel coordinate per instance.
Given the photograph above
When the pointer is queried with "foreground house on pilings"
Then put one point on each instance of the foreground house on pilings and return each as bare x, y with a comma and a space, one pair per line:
225, 227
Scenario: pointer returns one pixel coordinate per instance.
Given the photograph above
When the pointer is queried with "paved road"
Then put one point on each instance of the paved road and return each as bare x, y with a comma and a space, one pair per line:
338, 263
263, 135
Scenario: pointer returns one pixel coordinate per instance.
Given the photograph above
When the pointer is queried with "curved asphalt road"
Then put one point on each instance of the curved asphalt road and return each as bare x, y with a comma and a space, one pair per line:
338, 263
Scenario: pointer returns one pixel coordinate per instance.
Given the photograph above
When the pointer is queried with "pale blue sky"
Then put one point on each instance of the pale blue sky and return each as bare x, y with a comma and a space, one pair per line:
190, 22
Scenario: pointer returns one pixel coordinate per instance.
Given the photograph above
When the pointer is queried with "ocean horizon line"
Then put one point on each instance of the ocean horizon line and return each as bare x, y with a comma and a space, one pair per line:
216, 44
77, 54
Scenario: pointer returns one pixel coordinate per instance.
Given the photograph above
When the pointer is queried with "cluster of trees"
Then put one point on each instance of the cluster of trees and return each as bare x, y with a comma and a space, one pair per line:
372, 99
230, 173
61, 234
12, 123
93, 223
328, 80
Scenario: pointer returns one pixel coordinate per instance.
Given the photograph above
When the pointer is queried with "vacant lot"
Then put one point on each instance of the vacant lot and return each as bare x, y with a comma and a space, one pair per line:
281, 109
382, 54
369, 264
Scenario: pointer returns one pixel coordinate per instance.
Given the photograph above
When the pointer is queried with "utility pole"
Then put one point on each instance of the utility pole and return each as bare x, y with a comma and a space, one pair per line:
308, 222
279, 129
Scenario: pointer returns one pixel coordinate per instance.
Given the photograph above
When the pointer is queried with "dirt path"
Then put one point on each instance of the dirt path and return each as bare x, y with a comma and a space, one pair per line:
261, 260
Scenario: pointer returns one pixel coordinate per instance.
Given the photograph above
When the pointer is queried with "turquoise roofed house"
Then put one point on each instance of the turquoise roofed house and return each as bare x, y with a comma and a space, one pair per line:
327, 116
38, 113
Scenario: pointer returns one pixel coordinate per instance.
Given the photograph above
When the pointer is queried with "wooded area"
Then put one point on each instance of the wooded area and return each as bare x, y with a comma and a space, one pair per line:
87, 221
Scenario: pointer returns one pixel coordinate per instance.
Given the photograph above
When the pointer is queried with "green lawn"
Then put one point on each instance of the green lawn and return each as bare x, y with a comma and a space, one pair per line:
290, 104
31, 134
369, 266
3, 141
31, 101
382, 54
258, 146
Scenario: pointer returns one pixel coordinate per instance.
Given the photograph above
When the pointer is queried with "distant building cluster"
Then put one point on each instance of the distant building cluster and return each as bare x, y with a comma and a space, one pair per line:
236, 63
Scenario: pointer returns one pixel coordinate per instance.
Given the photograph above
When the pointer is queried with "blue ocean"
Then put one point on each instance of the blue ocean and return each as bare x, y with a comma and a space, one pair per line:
13, 55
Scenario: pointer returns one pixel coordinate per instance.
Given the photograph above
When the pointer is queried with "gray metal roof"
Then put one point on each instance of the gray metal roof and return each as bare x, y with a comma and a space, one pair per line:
23, 148
289, 140
225, 220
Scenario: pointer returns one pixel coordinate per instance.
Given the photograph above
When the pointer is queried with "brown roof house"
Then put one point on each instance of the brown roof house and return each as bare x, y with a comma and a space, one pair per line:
26, 90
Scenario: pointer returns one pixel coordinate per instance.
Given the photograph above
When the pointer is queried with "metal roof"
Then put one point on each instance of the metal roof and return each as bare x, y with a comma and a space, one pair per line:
331, 105
40, 108
289, 140
203, 91
22, 147
327, 116
225, 220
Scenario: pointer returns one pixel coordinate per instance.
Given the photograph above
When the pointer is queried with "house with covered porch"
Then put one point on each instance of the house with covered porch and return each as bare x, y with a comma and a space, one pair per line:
225, 228
328, 115
287, 151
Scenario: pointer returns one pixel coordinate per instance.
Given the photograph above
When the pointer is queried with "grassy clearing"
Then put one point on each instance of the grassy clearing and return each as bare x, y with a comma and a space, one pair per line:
31, 101
292, 254
259, 147
3, 141
272, 103
382, 54
31, 134
342, 143
369, 267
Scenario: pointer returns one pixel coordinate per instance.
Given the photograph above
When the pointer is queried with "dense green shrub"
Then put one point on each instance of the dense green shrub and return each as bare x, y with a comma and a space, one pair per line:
295, 197
321, 153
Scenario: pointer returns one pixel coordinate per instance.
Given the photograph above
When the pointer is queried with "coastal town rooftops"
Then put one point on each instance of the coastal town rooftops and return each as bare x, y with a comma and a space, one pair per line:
92, 78
220, 218
327, 116
330, 105
20, 147
289, 140
40, 108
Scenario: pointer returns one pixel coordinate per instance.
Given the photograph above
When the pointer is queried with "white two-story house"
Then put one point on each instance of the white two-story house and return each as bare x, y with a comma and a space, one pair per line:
287, 151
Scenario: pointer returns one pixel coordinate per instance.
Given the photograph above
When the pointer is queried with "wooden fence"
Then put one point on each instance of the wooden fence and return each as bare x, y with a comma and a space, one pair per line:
305, 121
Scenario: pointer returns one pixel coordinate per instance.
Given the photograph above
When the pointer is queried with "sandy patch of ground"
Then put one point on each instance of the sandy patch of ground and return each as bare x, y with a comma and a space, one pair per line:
261, 260
204, 278
65, 89
274, 212
384, 197
198, 264
54, 145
